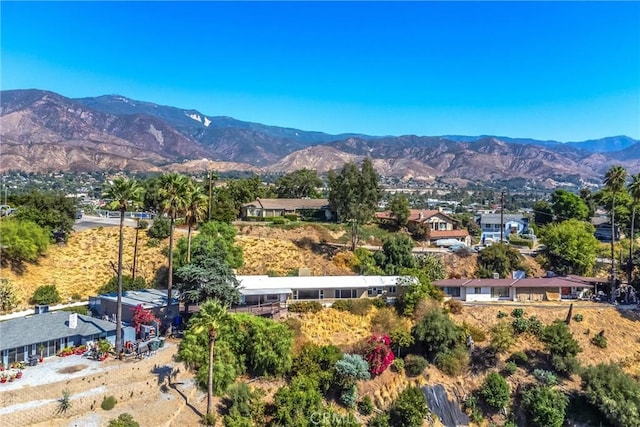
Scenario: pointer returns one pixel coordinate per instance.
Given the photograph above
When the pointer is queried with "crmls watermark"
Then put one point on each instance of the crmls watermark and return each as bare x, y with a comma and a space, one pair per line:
332, 419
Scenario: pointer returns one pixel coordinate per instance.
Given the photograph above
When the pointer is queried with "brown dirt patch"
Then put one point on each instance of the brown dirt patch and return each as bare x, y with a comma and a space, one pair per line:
72, 369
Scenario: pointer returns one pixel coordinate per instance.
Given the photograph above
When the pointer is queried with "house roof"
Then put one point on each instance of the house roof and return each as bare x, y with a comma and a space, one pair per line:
444, 234
416, 215
288, 204
148, 298
532, 282
273, 284
53, 325
495, 218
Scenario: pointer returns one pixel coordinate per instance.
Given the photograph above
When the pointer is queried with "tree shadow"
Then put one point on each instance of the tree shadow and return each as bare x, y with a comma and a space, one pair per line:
631, 313
322, 249
167, 380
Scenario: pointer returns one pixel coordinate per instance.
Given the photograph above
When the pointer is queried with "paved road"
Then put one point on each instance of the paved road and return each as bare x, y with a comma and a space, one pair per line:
89, 221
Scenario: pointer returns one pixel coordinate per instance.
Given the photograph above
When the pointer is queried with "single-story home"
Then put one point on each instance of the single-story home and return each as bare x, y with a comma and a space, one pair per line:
154, 300
522, 290
23, 336
257, 290
267, 208
438, 224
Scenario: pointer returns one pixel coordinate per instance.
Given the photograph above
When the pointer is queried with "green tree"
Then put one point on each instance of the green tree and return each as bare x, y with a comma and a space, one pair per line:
299, 184
8, 296
245, 190
399, 207
614, 393
196, 207
432, 266
207, 321
52, 212
297, 403
46, 294
566, 205
223, 208
20, 241
436, 333
208, 278
499, 258
365, 263
614, 181
409, 409
122, 191
634, 192
123, 420
570, 247
542, 213
502, 337
160, 229
354, 194
244, 406
396, 254
214, 240
414, 287
587, 198
495, 391
317, 362
173, 199
562, 346
545, 406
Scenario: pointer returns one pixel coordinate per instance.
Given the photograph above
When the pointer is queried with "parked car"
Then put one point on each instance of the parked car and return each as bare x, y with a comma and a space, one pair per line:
459, 246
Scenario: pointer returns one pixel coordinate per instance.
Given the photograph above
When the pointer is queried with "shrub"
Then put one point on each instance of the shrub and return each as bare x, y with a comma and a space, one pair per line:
305, 307
453, 306
349, 396
398, 366
160, 229
351, 368
244, 404
45, 294
453, 362
108, 403
153, 243
414, 365
318, 362
291, 217
495, 391
278, 221
360, 306
520, 325
578, 317
143, 224
209, 419
544, 406
379, 302
384, 320
519, 358
535, 326
518, 313
82, 309
365, 406
545, 377
128, 284
502, 337
562, 346
64, 403
409, 409
123, 420
8, 295
380, 420
501, 314
436, 332
477, 334
614, 393
599, 340
472, 409
510, 368
378, 353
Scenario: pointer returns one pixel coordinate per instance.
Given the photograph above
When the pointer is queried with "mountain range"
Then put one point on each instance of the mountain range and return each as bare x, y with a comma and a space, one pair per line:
44, 131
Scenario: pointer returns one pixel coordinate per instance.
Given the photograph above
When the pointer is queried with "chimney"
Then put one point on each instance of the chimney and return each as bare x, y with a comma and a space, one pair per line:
496, 276
73, 320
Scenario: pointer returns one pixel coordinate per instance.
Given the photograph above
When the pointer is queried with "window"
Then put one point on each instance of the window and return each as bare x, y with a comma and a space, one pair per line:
308, 294
370, 292
347, 293
452, 291
477, 290
321, 294
501, 292
392, 289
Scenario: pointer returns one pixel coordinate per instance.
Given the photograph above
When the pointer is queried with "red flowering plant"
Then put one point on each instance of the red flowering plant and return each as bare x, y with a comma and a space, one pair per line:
378, 353
142, 317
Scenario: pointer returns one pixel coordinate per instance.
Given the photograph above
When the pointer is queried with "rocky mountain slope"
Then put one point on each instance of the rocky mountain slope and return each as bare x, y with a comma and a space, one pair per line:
44, 131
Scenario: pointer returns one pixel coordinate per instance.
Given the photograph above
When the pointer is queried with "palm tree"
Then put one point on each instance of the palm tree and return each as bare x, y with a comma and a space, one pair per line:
208, 320
614, 181
173, 200
195, 211
122, 191
634, 191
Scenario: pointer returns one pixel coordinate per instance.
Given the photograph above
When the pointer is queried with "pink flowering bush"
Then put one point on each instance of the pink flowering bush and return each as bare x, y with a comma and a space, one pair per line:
378, 353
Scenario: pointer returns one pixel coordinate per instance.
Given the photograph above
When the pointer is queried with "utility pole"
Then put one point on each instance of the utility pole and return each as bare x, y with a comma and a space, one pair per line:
210, 186
501, 217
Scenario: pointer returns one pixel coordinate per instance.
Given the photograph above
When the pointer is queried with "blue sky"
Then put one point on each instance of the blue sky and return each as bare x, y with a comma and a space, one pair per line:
564, 71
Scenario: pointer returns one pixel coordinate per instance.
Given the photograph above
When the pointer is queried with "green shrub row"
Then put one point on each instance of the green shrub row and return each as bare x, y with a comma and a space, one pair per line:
305, 307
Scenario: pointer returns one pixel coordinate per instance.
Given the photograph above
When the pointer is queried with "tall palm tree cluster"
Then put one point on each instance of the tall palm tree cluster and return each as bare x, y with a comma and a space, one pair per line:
178, 196
615, 182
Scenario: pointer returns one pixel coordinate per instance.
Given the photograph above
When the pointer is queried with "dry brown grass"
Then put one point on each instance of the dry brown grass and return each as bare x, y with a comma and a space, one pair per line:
335, 327
85, 263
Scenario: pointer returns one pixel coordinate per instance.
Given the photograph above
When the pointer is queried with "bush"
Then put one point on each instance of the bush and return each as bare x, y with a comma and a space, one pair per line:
599, 340
578, 317
378, 353
510, 368
535, 326
518, 313
278, 221
153, 243
501, 314
562, 346
123, 420
398, 366
409, 409
160, 229
436, 332
349, 396
519, 358
143, 224
108, 403
305, 307
545, 406
209, 419
128, 284
380, 420
318, 362
614, 393
350, 369
64, 403
495, 391
476, 333
545, 377
414, 365
360, 306
520, 325
365, 406
46, 294
453, 362
82, 309
502, 337
453, 306
472, 409
291, 217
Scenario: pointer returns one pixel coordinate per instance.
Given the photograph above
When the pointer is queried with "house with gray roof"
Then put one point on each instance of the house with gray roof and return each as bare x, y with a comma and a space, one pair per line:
268, 208
154, 300
21, 338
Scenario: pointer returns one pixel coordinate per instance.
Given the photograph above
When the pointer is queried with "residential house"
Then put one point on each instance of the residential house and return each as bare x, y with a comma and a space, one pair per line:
22, 337
513, 224
266, 208
522, 290
154, 300
602, 225
438, 224
258, 290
